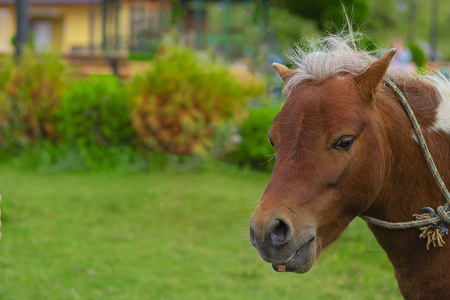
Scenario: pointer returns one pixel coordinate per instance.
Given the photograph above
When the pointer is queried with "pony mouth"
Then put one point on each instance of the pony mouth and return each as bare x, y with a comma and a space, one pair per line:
300, 261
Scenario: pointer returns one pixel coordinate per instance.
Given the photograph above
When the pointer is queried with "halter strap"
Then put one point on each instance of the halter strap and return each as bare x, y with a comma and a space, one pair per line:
431, 223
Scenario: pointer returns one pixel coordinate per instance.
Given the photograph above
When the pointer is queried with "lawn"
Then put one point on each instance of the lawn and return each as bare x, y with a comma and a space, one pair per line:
162, 235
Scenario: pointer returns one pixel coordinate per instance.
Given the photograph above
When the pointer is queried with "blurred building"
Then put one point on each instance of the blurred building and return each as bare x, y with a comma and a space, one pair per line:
85, 26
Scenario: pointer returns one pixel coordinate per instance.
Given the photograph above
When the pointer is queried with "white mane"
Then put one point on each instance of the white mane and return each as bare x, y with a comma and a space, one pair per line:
323, 58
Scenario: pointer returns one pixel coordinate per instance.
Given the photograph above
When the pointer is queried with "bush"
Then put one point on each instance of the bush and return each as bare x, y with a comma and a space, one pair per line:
6, 66
32, 92
49, 157
183, 98
254, 149
96, 111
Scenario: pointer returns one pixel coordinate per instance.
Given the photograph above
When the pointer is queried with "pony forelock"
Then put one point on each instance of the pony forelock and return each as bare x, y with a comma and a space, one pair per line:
321, 58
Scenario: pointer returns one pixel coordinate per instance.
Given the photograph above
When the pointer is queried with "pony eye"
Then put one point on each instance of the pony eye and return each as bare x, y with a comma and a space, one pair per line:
344, 143
271, 142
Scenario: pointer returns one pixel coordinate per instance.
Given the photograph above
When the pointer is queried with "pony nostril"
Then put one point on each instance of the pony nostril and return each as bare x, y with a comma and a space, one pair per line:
252, 237
280, 234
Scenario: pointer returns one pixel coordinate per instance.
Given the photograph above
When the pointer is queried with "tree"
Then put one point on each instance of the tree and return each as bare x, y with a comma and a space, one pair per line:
328, 13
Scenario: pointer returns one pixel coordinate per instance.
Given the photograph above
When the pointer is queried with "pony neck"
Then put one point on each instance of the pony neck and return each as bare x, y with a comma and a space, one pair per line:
409, 186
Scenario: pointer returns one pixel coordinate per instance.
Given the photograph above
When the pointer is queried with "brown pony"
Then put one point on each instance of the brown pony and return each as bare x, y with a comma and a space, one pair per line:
345, 147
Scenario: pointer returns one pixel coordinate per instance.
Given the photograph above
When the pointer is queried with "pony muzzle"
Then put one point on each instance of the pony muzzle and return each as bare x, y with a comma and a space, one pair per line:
277, 243
301, 260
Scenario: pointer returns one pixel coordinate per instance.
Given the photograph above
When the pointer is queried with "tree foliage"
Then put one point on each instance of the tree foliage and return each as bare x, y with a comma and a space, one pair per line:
329, 14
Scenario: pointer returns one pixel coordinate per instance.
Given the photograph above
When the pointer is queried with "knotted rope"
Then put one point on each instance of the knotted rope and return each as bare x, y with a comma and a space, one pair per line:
431, 224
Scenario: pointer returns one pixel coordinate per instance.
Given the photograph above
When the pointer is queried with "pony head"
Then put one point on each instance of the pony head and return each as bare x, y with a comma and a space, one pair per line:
330, 155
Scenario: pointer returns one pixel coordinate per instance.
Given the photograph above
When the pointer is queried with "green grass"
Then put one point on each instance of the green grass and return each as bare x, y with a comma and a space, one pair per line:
162, 235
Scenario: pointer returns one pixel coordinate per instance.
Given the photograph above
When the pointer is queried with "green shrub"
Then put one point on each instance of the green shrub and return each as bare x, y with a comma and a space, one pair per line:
418, 55
141, 56
33, 89
6, 67
183, 97
96, 111
64, 157
254, 149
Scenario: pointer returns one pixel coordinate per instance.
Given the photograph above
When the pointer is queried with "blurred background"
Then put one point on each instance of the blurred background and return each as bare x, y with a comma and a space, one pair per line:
133, 144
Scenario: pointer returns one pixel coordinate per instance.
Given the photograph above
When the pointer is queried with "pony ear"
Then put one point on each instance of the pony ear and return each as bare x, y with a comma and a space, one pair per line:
369, 81
284, 72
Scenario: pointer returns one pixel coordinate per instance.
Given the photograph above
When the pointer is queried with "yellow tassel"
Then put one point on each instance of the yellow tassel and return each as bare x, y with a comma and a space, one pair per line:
433, 232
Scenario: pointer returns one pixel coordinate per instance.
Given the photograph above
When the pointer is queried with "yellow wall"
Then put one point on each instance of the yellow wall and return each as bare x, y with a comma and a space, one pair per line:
70, 26
57, 34
7, 28
75, 26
